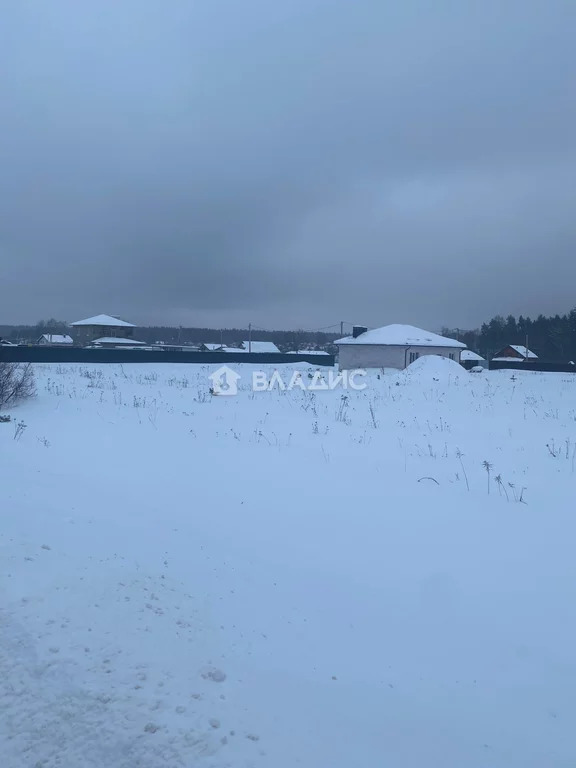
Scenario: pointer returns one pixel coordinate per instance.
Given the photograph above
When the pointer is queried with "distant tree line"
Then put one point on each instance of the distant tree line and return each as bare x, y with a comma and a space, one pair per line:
33, 332
285, 340
551, 338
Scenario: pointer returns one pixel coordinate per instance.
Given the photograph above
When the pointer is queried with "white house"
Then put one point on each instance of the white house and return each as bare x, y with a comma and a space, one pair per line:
393, 346
55, 339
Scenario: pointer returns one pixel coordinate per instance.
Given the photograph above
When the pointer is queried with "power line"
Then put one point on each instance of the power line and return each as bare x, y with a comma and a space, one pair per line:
302, 330
338, 326
324, 328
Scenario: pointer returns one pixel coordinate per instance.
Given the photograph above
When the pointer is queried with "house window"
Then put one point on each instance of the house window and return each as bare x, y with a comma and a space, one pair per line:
414, 356
451, 356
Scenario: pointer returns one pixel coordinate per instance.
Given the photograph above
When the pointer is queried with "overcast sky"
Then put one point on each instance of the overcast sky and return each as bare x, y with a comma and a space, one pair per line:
290, 163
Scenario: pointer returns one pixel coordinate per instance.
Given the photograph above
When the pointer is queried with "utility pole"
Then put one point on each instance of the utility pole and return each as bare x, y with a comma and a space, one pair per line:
341, 328
249, 337
221, 337
526, 350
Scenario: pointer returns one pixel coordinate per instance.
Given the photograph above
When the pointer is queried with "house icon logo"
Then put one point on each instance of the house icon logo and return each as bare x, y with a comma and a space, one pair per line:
224, 381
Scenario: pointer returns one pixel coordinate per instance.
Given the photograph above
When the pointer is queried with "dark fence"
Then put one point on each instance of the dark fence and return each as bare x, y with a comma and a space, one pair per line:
82, 355
532, 365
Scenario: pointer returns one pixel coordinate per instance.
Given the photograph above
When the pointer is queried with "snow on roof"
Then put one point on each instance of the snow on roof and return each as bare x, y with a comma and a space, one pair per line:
104, 320
467, 354
508, 359
307, 352
118, 342
524, 351
403, 336
260, 346
57, 338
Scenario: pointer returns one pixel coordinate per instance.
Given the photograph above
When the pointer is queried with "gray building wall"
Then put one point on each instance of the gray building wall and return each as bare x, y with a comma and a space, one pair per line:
351, 356
84, 334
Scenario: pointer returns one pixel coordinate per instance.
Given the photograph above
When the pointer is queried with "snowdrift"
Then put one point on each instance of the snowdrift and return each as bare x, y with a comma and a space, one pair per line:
428, 367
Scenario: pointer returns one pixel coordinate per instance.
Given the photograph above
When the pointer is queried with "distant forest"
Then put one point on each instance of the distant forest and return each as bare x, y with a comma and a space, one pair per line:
285, 340
551, 338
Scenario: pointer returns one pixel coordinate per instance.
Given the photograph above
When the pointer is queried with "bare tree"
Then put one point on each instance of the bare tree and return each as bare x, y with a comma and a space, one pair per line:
16, 382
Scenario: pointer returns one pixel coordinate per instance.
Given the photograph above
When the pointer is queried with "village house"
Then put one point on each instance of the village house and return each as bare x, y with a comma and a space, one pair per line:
259, 347
514, 353
55, 340
393, 346
470, 359
102, 327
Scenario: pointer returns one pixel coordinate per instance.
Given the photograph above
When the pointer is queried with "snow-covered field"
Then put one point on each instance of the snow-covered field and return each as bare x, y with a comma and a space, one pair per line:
280, 579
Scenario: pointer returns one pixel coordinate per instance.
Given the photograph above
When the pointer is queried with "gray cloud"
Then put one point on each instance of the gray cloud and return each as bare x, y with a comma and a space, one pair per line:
290, 164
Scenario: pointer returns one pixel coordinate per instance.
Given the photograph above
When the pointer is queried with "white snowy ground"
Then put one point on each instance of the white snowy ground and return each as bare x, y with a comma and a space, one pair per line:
273, 579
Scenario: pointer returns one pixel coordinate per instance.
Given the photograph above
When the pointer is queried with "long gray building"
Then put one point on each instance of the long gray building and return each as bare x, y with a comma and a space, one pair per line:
393, 346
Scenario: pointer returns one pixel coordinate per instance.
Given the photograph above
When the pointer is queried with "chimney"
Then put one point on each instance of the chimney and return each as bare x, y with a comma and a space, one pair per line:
358, 330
